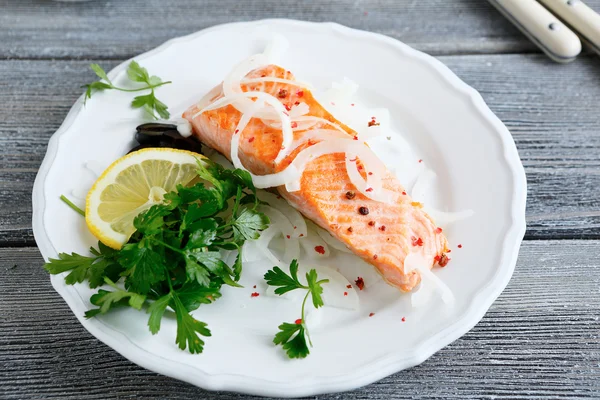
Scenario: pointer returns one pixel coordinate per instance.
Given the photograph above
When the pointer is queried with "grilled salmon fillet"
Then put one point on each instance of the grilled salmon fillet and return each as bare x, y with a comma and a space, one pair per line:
382, 234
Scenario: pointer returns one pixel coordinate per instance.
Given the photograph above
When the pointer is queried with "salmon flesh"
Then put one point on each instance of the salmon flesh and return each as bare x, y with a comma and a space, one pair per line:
382, 234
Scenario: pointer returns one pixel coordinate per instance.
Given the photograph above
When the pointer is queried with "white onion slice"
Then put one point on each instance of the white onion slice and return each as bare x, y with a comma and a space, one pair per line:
372, 187
295, 218
423, 185
284, 116
231, 83
292, 249
370, 161
332, 241
318, 135
262, 243
273, 79
235, 139
251, 252
445, 218
311, 242
421, 263
278, 220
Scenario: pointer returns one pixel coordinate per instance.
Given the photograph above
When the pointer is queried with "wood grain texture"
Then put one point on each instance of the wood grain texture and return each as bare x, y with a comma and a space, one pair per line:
122, 29
540, 340
552, 111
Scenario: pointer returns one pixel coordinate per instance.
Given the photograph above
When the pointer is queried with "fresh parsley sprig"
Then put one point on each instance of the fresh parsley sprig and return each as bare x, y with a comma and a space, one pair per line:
136, 73
292, 336
173, 260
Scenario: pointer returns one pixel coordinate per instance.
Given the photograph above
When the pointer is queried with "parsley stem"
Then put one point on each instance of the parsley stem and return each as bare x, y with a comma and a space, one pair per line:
140, 89
73, 206
303, 319
168, 246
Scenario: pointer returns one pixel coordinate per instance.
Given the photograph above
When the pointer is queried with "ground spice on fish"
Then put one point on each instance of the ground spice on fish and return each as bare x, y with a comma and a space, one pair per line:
363, 210
444, 259
350, 194
282, 93
350, 229
416, 241
371, 223
382, 228
438, 230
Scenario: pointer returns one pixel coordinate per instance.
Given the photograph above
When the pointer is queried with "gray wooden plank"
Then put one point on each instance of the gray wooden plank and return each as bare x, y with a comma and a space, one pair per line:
551, 110
121, 29
539, 340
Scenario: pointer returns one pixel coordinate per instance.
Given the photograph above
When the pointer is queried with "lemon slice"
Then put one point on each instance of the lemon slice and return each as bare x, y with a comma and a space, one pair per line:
133, 184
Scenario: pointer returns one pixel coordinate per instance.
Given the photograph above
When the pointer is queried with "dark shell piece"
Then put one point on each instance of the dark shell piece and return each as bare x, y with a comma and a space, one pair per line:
164, 135
154, 128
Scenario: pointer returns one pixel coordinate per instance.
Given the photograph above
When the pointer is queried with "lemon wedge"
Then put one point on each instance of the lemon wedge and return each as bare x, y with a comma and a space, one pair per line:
133, 184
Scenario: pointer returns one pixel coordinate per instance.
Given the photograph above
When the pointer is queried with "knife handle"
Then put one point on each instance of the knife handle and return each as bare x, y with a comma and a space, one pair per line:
542, 28
580, 17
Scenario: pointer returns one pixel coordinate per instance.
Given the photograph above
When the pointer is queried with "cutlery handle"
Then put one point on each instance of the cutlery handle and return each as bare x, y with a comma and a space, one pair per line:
542, 28
580, 17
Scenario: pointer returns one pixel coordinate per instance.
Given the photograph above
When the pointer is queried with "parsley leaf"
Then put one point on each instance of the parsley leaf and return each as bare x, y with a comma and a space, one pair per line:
193, 295
316, 287
100, 72
144, 266
248, 224
285, 282
151, 221
203, 231
196, 272
188, 329
93, 268
135, 73
295, 347
108, 268
66, 262
157, 310
119, 297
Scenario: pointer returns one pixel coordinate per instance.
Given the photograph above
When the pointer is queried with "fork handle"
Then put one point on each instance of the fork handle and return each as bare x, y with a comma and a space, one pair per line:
542, 28
580, 17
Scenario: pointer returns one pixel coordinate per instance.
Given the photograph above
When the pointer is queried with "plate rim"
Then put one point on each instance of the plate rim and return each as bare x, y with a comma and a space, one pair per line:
382, 367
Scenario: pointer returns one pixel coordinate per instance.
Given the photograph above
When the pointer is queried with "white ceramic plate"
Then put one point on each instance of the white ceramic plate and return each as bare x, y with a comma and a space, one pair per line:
446, 122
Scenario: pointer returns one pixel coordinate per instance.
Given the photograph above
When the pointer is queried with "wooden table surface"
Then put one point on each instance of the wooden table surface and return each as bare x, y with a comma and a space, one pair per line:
541, 339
